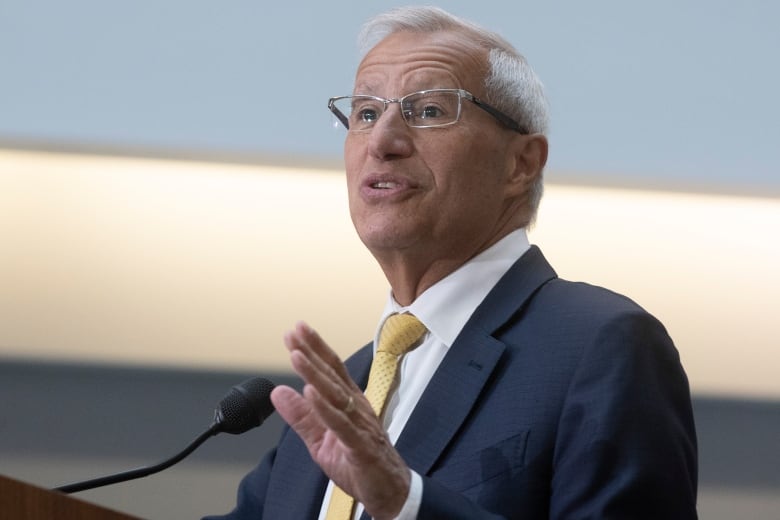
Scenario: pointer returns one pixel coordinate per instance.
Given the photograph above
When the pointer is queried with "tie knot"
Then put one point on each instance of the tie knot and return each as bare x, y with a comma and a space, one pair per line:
399, 333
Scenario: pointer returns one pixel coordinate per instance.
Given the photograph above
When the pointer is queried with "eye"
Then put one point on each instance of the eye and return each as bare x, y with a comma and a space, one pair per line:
367, 115
430, 112
431, 108
366, 111
423, 109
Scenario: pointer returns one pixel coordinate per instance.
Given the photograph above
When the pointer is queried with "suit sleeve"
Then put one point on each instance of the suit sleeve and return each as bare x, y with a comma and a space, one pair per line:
626, 442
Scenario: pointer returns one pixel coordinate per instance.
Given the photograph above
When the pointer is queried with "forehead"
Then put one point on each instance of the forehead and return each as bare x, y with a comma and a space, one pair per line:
411, 60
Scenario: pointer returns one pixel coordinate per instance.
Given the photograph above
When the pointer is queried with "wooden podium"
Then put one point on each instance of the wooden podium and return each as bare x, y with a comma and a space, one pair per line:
20, 501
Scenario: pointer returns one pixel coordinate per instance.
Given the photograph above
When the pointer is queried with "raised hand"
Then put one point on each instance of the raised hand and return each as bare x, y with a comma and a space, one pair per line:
339, 427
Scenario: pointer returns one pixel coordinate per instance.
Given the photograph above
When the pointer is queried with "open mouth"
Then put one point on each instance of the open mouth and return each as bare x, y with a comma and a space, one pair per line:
385, 185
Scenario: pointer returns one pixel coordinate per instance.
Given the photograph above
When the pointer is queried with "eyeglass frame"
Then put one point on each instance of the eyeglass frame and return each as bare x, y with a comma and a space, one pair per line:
500, 116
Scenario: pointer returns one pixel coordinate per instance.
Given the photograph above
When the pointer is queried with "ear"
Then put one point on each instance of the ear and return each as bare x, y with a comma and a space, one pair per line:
530, 156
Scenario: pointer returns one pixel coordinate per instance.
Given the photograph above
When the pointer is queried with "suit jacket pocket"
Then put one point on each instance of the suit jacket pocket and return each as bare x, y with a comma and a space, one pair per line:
460, 470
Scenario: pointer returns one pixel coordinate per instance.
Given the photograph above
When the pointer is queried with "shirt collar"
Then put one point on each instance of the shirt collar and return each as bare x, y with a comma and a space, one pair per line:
446, 306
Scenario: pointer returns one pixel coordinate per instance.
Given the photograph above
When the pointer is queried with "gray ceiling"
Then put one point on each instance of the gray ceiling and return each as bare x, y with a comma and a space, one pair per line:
678, 93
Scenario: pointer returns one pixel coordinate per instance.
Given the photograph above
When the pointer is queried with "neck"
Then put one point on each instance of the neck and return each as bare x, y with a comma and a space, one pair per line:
410, 274
409, 281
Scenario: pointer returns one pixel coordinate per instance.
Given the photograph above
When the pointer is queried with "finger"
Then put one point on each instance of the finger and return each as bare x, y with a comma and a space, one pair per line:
337, 392
358, 428
314, 341
322, 366
293, 407
308, 340
296, 411
297, 340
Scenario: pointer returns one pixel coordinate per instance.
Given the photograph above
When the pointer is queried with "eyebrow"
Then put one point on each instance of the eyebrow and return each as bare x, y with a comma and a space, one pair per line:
370, 91
372, 86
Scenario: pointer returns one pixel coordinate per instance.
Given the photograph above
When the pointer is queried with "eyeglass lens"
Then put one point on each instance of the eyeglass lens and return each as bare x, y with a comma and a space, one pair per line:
420, 109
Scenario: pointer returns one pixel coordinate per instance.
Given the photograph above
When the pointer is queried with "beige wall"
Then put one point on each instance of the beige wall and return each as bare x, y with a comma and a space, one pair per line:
205, 264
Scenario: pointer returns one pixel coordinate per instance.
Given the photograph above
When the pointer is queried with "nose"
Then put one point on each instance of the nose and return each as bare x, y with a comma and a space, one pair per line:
390, 138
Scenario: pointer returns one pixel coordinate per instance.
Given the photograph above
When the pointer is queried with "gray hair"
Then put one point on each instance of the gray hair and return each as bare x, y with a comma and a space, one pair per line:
511, 84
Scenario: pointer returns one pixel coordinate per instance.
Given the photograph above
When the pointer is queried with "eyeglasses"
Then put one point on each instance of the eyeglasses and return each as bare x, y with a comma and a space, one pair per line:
423, 109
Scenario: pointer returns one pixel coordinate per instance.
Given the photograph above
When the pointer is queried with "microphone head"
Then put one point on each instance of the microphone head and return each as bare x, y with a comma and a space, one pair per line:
244, 407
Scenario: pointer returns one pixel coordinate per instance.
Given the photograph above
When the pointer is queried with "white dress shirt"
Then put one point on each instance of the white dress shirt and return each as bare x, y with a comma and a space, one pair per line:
444, 309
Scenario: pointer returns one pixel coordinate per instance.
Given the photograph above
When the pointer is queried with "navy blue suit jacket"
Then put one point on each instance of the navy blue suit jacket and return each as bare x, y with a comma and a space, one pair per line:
558, 400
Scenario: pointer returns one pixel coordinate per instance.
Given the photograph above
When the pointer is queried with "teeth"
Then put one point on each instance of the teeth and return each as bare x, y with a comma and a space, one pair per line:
384, 185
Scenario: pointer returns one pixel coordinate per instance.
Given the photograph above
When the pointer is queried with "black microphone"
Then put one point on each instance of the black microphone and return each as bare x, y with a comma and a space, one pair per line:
244, 407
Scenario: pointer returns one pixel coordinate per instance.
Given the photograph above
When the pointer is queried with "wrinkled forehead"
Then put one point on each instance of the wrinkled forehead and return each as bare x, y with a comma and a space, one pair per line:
410, 59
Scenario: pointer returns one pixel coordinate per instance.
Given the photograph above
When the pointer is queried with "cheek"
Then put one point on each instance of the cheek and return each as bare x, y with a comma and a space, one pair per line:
352, 164
465, 171
469, 183
354, 154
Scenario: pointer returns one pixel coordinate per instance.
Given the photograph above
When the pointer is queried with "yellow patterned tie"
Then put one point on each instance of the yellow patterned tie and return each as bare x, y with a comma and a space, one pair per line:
400, 333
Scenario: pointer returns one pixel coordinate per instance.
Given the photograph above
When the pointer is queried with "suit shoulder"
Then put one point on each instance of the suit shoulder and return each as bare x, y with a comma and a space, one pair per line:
581, 297
582, 316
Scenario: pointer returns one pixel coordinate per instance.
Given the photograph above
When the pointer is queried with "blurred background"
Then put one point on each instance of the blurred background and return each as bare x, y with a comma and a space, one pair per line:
172, 201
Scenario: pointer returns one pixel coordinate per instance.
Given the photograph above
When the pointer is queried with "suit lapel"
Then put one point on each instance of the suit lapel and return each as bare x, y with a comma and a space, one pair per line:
359, 365
470, 361
444, 405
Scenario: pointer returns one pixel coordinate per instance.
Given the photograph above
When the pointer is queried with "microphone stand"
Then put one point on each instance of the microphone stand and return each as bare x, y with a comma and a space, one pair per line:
245, 407
143, 471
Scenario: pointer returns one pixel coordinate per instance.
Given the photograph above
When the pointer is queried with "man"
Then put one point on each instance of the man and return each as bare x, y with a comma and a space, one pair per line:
527, 396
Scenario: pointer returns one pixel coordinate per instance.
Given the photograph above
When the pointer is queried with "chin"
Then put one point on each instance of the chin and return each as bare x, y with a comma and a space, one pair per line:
384, 238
